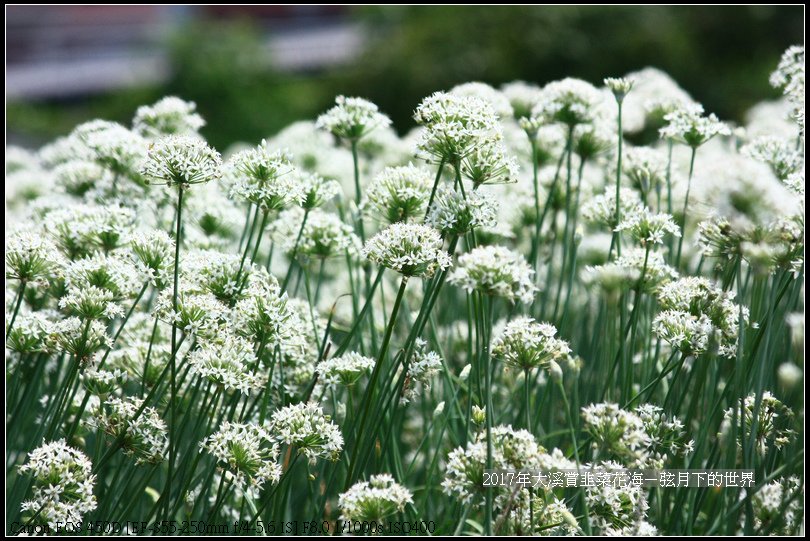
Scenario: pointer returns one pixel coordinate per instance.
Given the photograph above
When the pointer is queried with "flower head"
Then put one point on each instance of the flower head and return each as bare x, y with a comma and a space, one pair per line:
647, 227
264, 178
352, 118
62, 484
410, 249
399, 194
305, 427
620, 86
454, 214
344, 370
526, 344
143, 437
227, 361
373, 500
497, 271
181, 160
248, 451
168, 116
689, 126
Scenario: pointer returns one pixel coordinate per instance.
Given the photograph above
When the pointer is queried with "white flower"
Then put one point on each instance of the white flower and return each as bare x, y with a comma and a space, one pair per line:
489, 163
344, 370
182, 160
113, 146
767, 420
569, 101
264, 178
696, 314
248, 451
613, 506
229, 362
499, 102
454, 214
352, 118
168, 116
410, 249
399, 194
62, 484
646, 226
79, 338
90, 303
153, 250
455, 125
29, 334
373, 500
526, 344
620, 86
145, 437
317, 190
305, 427
497, 271
522, 97
324, 234
30, 256
689, 126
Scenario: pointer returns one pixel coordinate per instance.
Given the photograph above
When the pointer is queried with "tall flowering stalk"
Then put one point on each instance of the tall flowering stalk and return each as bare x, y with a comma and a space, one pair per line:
179, 162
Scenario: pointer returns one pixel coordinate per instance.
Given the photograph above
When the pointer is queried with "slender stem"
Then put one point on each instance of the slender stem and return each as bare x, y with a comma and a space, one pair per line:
616, 236
374, 377
685, 206
173, 360
20, 295
435, 186
294, 252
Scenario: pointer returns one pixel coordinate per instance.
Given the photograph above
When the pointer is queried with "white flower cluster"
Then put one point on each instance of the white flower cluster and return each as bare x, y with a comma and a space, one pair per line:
227, 361
423, 367
453, 213
455, 126
647, 227
569, 102
62, 484
29, 256
410, 249
689, 126
625, 272
167, 116
249, 452
79, 338
767, 420
614, 508
789, 76
112, 146
344, 370
374, 500
778, 507
181, 160
620, 86
697, 315
264, 178
526, 344
144, 437
512, 449
324, 234
352, 118
399, 194
496, 271
642, 438
305, 427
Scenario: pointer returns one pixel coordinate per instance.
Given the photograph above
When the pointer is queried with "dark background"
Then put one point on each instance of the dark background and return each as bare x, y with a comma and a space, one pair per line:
252, 70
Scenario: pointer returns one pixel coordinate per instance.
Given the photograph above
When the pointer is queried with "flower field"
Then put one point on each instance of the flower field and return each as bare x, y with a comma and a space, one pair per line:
341, 329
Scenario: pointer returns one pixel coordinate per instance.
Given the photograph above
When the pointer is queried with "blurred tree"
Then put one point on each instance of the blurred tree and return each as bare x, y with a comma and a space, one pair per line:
722, 55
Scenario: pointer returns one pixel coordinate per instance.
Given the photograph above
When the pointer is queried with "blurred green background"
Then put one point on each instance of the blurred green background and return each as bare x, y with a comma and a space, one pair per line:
721, 55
